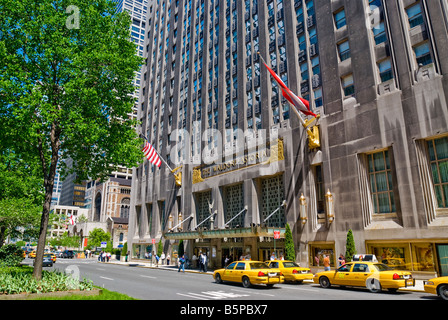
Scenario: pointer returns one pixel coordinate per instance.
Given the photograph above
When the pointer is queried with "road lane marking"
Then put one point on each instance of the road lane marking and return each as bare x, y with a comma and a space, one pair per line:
148, 277
263, 294
105, 278
213, 295
191, 296
300, 289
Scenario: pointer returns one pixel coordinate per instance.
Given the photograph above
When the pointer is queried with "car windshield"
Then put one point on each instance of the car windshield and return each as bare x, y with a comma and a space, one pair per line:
290, 264
258, 265
382, 267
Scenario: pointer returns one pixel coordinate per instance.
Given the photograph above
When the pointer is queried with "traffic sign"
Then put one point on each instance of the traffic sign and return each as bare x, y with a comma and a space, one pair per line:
153, 241
276, 234
103, 244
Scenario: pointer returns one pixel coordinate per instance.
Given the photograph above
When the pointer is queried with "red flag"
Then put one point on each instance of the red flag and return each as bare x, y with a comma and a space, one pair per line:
151, 154
300, 104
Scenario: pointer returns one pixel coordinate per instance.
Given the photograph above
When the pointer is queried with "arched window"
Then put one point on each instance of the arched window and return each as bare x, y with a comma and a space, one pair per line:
125, 206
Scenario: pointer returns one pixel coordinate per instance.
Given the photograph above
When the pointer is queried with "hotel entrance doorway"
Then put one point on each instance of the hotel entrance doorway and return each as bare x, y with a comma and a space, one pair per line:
233, 253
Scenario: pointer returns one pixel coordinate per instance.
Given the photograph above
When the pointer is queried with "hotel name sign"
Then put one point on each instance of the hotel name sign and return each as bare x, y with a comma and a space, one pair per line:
263, 157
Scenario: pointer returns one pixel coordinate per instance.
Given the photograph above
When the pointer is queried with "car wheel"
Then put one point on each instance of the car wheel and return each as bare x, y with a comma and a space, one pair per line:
218, 278
373, 285
246, 282
442, 291
324, 282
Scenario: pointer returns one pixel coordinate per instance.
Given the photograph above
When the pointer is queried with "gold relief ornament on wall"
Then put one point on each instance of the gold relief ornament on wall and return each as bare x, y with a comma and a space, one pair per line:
277, 152
177, 176
197, 177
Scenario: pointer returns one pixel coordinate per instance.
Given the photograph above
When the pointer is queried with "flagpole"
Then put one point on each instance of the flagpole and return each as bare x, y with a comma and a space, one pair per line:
161, 158
305, 124
293, 107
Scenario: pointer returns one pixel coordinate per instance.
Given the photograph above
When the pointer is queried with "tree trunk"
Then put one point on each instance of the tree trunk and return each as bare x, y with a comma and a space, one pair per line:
37, 273
48, 185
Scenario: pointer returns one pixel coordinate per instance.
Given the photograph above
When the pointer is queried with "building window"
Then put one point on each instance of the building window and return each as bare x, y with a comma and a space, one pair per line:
438, 156
381, 185
385, 69
318, 98
344, 50
379, 33
415, 15
339, 19
423, 54
348, 85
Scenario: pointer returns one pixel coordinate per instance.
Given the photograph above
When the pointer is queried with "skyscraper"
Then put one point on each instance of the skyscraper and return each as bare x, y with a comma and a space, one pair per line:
375, 73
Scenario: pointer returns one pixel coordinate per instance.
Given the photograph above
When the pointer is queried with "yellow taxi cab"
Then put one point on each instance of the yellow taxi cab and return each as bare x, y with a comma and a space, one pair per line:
52, 256
438, 286
32, 254
249, 272
373, 275
291, 270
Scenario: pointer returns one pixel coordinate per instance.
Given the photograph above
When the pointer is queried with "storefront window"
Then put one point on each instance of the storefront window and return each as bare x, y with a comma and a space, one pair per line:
141, 251
318, 251
393, 256
406, 256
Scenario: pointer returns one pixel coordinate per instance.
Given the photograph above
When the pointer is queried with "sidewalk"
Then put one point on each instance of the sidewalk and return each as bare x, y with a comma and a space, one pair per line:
419, 286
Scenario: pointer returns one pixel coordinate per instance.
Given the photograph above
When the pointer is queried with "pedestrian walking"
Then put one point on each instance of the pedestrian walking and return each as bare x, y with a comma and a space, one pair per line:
162, 257
341, 260
203, 259
181, 264
168, 258
326, 263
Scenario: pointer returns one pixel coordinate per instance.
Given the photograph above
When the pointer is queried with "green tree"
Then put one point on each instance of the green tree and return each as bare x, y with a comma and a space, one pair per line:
98, 235
160, 248
290, 251
20, 200
350, 248
66, 85
10, 255
124, 250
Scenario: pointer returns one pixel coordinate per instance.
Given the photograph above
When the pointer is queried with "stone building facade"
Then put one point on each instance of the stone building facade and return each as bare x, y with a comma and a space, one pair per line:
375, 73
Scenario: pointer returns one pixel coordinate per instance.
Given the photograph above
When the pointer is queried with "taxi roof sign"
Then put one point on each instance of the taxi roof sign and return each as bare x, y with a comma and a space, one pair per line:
364, 257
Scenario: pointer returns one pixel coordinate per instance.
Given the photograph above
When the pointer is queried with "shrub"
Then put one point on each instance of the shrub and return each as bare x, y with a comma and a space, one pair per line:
10, 255
20, 279
350, 246
290, 251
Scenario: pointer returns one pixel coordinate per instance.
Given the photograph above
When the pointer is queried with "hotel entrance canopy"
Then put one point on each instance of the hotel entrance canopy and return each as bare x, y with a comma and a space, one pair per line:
256, 231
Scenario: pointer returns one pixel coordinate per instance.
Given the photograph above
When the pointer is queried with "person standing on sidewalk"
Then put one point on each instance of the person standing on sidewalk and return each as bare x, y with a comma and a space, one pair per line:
181, 264
168, 258
326, 263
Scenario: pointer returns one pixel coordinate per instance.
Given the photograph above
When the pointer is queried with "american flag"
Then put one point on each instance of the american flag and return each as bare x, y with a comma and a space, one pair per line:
151, 154
300, 104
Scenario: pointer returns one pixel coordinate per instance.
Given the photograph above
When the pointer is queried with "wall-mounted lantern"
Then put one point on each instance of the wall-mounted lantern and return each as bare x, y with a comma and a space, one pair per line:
302, 209
330, 207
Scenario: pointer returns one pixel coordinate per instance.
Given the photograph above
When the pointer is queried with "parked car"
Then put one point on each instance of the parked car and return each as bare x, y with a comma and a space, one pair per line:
373, 275
438, 286
51, 255
68, 254
32, 254
249, 273
291, 270
47, 262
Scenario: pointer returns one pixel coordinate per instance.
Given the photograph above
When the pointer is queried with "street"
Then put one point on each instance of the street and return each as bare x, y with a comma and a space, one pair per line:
161, 284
